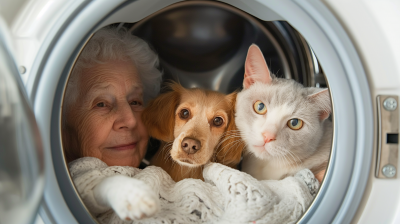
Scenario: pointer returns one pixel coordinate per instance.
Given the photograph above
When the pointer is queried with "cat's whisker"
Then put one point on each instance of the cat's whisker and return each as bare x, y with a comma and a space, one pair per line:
284, 154
234, 144
229, 144
282, 157
225, 145
224, 148
227, 137
237, 144
230, 138
216, 154
295, 158
288, 163
279, 161
232, 135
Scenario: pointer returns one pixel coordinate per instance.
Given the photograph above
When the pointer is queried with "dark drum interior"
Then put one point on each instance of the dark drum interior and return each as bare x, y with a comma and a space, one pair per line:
204, 44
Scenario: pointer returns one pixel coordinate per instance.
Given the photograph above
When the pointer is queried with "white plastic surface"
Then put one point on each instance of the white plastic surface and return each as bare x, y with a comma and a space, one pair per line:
9, 9
31, 26
39, 220
374, 28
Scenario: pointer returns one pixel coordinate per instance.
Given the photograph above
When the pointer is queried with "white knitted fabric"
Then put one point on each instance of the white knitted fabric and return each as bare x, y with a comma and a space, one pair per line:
226, 195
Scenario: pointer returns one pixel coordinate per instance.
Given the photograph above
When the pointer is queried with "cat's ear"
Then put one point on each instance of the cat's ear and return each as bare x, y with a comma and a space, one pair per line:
322, 100
256, 69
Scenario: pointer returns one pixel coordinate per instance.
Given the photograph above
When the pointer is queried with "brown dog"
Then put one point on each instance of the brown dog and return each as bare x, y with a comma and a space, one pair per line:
196, 126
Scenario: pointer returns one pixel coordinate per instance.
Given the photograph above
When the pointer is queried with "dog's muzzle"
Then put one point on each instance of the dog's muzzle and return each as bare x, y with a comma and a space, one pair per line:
190, 145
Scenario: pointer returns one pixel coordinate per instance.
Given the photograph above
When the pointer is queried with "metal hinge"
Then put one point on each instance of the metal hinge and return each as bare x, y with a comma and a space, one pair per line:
388, 137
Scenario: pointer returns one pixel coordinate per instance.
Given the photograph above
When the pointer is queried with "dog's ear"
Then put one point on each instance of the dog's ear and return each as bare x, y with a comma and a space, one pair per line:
159, 115
231, 145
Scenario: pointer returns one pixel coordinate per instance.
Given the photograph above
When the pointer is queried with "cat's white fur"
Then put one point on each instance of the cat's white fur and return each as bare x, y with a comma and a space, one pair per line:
292, 150
130, 198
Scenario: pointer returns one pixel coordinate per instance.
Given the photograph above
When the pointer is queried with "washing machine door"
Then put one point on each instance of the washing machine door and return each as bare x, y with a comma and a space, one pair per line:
342, 190
21, 156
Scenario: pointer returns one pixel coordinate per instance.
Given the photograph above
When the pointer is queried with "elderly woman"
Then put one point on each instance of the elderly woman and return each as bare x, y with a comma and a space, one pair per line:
104, 138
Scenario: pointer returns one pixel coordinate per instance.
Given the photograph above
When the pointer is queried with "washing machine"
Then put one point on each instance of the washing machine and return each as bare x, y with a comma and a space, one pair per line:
351, 47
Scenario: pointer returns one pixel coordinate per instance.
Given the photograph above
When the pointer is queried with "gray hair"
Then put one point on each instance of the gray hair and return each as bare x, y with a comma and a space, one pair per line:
108, 44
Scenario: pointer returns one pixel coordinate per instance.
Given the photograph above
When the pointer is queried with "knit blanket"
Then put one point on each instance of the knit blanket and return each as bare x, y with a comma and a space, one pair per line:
226, 196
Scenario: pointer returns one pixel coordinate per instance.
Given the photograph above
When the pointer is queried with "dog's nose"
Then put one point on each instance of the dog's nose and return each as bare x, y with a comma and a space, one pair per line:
190, 145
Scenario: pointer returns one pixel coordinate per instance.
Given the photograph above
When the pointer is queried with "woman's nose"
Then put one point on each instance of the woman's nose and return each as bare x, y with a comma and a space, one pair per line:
125, 118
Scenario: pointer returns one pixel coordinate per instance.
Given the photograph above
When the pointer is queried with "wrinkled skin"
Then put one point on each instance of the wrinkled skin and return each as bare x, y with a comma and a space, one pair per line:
105, 120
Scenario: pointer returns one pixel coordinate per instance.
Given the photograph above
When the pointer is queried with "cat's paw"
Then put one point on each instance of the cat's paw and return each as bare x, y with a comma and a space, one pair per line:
131, 198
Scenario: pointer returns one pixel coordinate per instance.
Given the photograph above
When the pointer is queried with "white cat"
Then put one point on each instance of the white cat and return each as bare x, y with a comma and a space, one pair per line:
283, 123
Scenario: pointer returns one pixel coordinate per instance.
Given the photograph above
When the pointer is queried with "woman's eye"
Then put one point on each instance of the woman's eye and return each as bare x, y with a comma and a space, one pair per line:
295, 124
101, 104
218, 121
259, 107
184, 114
135, 103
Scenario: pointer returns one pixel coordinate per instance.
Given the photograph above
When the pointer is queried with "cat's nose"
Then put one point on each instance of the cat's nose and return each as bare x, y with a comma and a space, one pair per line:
190, 145
269, 137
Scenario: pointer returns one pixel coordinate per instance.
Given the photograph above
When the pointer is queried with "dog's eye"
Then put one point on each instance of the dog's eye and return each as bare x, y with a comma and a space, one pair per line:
218, 121
184, 114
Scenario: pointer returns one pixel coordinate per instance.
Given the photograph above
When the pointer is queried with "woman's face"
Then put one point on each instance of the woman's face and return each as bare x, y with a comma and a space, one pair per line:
105, 121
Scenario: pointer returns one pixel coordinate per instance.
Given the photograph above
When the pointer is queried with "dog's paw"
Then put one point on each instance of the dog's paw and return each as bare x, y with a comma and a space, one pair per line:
131, 198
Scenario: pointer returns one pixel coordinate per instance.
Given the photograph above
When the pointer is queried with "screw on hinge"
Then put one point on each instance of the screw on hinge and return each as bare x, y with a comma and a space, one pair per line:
389, 170
390, 104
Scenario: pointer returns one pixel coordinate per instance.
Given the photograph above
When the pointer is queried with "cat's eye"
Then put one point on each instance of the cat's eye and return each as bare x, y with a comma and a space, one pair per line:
295, 124
218, 121
184, 114
259, 107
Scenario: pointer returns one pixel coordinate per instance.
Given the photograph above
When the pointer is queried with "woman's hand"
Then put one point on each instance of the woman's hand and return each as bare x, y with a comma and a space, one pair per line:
320, 175
130, 198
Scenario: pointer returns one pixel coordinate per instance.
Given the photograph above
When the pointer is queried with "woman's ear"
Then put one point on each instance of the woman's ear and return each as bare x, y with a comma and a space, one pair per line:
231, 146
159, 115
255, 67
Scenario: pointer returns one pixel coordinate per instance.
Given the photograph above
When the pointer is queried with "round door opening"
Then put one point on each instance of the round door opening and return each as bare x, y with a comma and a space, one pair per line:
219, 93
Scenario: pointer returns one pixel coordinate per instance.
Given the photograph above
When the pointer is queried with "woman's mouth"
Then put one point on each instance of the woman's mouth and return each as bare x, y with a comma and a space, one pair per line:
123, 147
